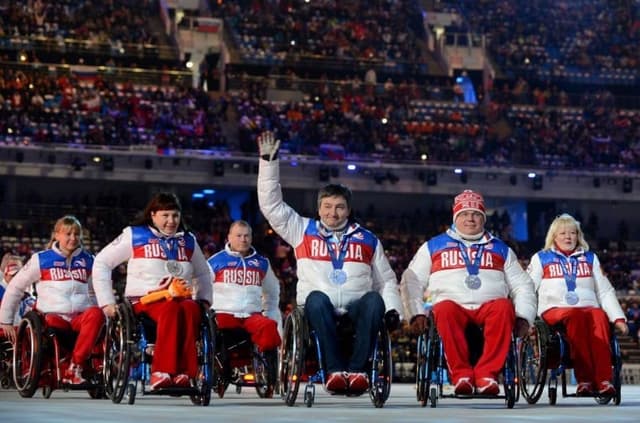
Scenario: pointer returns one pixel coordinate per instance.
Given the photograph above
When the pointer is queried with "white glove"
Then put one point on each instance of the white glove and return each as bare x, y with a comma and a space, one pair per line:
268, 146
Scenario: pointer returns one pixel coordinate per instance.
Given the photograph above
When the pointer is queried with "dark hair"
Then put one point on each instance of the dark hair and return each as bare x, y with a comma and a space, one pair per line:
335, 190
161, 201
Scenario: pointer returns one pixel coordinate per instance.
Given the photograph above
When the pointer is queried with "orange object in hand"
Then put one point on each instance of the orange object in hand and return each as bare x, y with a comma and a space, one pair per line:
177, 288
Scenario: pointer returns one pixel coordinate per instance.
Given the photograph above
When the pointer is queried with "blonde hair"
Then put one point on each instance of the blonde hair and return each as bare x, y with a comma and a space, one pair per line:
564, 219
65, 222
7, 259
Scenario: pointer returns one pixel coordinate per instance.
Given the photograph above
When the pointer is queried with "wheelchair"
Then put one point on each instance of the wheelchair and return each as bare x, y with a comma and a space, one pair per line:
301, 359
431, 367
41, 356
6, 364
545, 353
129, 348
239, 362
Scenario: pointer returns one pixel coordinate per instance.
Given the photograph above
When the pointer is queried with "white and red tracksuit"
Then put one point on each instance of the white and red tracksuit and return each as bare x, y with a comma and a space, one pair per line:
506, 292
64, 296
177, 320
365, 263
587, 322
245, 287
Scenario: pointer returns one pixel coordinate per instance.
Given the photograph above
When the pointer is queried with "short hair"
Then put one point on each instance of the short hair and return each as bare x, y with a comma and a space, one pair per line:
68, 221
335, 190
564, 219
242, 223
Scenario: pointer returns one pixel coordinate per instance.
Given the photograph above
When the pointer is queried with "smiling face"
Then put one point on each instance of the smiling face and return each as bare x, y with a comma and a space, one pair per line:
68, 238
334, 211
566, 237
167, 221
469, 222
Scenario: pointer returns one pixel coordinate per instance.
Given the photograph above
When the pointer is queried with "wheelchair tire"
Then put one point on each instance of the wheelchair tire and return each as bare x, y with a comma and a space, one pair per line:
265, 365
433, 396
533, 362
118, 353
553, 395
28, 354
433, 361
381, 369
422, 381
206, 358
292, 356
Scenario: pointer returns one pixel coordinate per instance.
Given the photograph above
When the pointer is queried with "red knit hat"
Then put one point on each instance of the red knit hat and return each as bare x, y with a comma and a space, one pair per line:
468, 200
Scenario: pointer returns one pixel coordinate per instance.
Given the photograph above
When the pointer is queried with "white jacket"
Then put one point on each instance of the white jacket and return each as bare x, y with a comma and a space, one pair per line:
244, 285
592, 286
366, 264
146, 265
443, 272
63, 284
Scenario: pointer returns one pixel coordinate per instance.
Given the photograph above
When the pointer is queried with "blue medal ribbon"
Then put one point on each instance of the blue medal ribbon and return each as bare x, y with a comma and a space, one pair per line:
472, 268
570, 274
338, 254
168, 245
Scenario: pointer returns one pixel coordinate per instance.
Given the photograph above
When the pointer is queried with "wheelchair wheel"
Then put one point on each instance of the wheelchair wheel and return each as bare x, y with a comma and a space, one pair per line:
433, 377
206, 367
292, 356
28, 354
118, 353
381, 369
222, 365
422, 381
265, 365
533, 362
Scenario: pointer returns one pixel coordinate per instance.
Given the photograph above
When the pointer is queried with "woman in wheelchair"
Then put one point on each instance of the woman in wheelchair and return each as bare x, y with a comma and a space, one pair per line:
244, 285
574, 292
62, 278
165, 270
473, 278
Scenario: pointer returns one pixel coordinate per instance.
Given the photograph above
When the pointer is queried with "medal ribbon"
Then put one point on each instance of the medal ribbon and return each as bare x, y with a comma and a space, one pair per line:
472, 268
168, 245
570, 279
337, 258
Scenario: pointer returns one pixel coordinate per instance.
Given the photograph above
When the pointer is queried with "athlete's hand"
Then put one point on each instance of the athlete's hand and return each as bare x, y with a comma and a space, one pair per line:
419, 324
268, 146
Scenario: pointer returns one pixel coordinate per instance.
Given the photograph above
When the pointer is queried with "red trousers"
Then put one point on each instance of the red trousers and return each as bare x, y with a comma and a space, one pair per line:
587, 332
497, 318
263, 331
177, 329
87, 325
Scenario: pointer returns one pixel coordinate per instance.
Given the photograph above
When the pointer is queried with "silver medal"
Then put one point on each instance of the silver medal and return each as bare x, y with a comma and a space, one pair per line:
173, 267
571, 298
473, 281
338, 276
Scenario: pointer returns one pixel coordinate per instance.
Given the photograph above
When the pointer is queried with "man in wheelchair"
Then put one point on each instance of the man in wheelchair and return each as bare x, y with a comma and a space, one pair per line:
574, 292
62, 278
246, 292
473, 278
342, 269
